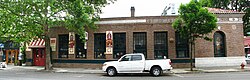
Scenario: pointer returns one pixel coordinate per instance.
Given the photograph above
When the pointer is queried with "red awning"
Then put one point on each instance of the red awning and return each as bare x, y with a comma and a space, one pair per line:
39, 43
247, 42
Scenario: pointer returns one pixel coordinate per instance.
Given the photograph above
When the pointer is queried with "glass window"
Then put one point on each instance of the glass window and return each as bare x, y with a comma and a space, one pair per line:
140, 42
119, 48
160, 45
126, 58
99, 45
81, 52
63, 46
219, 44
182, 46
136, 57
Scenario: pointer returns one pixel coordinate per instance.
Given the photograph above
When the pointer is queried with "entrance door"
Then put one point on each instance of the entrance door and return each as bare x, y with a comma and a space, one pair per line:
11, 56
39, 56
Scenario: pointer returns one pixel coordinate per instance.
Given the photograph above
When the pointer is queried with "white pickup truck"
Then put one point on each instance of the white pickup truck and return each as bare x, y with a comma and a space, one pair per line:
136, 63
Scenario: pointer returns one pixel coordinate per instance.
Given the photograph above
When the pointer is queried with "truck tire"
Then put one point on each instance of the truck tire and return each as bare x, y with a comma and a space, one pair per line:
156, 71
111, 71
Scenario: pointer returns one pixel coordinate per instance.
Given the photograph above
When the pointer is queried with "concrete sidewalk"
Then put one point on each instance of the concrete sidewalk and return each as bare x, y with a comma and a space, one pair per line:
99, 71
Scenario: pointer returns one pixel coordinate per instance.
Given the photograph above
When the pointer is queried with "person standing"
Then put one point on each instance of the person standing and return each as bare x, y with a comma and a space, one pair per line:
20, 58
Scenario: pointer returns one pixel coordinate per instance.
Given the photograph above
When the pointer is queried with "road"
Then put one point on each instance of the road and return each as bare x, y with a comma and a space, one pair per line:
42, 75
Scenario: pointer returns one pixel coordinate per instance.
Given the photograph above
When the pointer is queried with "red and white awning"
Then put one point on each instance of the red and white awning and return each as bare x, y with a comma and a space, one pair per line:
38, 43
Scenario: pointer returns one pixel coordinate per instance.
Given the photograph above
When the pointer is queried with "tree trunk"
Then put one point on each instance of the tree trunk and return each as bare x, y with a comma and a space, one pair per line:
48, 65
191, 56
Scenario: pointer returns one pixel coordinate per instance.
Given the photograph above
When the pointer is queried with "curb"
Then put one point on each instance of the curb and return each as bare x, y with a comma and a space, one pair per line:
203, 71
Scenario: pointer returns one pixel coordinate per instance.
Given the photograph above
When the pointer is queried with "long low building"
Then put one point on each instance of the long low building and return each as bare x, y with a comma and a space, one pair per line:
151, 35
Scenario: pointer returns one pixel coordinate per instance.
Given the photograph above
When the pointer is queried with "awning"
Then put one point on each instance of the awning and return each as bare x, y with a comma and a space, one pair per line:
38, 43
247, 42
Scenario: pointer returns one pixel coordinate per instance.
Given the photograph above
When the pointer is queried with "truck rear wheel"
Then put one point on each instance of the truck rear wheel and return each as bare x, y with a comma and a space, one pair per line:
156, 71
111, 71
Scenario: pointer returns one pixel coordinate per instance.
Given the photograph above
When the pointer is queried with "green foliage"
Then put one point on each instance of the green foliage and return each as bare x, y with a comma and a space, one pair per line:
205, 3
22, 20
194, 21
246, 22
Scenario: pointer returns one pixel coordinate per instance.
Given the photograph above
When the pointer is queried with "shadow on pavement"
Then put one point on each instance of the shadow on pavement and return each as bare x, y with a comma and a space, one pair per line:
136, 75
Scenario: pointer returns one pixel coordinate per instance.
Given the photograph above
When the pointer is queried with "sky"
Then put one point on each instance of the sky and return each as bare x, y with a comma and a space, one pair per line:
121, 8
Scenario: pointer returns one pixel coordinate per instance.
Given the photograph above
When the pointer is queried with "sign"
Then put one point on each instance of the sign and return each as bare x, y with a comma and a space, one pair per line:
53, 44
109, 42
71, 42
1, 45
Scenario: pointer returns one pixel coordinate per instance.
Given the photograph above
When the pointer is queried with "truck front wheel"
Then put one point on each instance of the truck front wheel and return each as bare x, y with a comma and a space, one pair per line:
156, 71
111, 71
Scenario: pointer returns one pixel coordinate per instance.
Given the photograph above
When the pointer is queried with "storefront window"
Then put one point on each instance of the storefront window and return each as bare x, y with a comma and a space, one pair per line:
140, 43
99, 45
81, 51
182, 46
119, 48
160, 45
63, 46
219, 44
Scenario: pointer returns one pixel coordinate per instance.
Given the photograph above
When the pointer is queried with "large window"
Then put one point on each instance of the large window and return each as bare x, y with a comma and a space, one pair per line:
63, 46
99, 45
160, 45
119, 48
219, 44
81, 50
140, 42
182, 47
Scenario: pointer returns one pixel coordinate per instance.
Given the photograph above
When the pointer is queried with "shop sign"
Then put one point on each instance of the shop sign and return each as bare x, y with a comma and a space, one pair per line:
53, 44
71, 43
109, 42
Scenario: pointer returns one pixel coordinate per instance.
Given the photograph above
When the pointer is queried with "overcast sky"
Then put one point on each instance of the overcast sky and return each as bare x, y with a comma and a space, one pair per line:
121, 8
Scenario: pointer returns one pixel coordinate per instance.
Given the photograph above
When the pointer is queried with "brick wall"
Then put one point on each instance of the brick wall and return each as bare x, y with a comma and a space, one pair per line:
233, 31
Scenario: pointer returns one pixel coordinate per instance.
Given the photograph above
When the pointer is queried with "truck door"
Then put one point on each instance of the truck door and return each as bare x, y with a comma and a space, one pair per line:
137, 64
124, 64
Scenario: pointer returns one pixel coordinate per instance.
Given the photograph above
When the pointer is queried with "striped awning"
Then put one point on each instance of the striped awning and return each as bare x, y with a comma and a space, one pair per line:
38, 43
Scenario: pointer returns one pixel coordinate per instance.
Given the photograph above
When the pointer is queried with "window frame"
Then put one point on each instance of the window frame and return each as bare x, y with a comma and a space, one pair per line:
182, 45
160, 44
119, 50
79, 47
222, 35
137, 48
63, 47
101, 48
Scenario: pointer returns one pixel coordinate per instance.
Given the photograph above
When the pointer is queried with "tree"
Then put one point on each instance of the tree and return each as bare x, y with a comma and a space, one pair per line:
22, 20
223, 4
194, 22
246, 21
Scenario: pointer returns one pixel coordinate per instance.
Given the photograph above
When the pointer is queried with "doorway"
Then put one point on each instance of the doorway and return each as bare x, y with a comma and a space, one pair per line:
39, 56
11, 56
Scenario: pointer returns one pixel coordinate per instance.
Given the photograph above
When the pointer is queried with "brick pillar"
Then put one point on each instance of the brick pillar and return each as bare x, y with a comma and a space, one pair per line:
150, 45
129, 42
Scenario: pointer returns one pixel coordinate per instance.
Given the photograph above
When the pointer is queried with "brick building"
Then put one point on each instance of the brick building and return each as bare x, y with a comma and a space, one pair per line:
150, 35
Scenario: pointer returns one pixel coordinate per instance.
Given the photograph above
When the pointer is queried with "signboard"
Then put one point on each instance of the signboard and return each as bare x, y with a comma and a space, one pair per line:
53, 44
109, 42
1, 45
71, 43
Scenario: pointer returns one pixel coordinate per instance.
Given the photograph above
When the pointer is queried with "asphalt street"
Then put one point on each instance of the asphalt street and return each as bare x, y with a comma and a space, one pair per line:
43, 75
